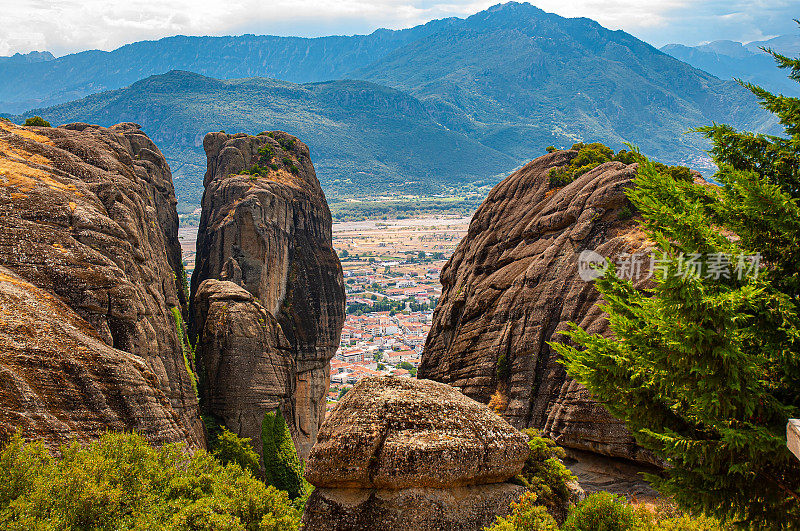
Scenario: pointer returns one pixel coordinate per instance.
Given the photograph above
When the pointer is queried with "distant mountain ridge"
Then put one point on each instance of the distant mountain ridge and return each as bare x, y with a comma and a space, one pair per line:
27, 58
731, 59
363, 137
450, 102
296, 59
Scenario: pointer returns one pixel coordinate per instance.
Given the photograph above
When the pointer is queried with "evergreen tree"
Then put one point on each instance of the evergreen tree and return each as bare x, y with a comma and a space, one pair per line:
705, 368
283, 468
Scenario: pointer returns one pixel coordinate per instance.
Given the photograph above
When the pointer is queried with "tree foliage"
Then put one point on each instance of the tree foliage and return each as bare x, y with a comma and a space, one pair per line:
37, 121
283, 468
230, 448
592, 155
704, 368
121, 482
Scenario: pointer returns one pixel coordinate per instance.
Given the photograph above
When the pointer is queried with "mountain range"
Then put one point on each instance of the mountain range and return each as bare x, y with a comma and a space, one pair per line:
446, 103
748, 62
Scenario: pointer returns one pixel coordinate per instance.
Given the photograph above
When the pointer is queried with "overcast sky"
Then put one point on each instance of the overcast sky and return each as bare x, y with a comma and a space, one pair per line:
65, 26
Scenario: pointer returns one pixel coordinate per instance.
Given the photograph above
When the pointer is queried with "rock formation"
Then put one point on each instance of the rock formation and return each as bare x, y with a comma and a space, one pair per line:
513, 284
402, 453
247, 363
60, 382
265, 226
87, 214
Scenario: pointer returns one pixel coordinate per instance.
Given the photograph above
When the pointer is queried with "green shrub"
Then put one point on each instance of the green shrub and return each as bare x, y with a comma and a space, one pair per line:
283, 468
227, 447
592, 155
287, 143
525, 515
589, 157
186, 346
601, 511
551, 149
121, 482
544, 474
626, 213
502, 369
37, 121
265, 153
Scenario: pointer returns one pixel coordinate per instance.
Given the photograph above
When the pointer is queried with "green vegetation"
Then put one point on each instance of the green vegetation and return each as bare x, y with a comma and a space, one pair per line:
453, 201
408, 367
526, 515
385, 305
121, 482
601, 511
186, 346
704, 368
592, 155
37, 121
502, 369
264, 164
283, 468
544, 474
227, 447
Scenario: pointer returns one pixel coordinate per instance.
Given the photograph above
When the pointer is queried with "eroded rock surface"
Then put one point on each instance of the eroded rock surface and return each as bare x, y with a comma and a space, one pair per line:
247, 364
60, 382
513, 284
87, 214
402, 453
271, 234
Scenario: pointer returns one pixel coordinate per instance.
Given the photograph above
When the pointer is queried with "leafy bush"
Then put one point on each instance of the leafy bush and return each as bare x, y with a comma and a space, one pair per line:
37, 121
525, 515
502, 369
265, 153
227, 447
601, 511
589, 157
592, 155
545, 475
287, 143
121, 482
283, 468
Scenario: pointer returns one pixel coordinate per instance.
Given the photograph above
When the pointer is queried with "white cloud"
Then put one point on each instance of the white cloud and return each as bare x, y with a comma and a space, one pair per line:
64, 26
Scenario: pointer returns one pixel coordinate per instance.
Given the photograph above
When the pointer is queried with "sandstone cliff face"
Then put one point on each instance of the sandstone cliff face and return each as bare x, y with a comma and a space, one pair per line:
247, 363
513, 283
88, 214
402, 453
271, 235
60, 382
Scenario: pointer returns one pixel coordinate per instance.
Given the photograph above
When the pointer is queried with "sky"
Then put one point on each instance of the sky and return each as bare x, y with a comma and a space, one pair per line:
67, 26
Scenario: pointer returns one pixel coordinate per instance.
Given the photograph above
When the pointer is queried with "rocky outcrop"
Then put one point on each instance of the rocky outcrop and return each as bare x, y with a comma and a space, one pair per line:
402, 453
60, 382
513, 284
248, 366
266, 226
87, 214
